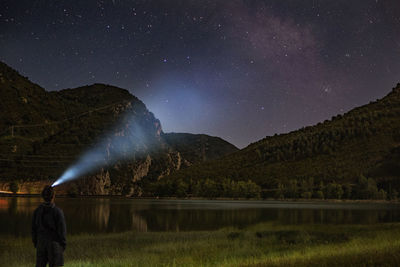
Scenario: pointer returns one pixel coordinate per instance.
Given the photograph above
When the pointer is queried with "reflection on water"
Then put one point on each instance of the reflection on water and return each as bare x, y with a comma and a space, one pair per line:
95, 215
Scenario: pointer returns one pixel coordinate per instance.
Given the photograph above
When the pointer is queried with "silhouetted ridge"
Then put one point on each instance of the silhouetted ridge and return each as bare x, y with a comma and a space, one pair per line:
360, 143
42, 133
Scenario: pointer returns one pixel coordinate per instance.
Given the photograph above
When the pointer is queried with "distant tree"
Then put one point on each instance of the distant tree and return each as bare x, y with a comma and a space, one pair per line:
181, 188
14, 187
310, 184
319, 194
306, 188
347, 190
339, 191
325, 149
226, 188
382, 194
393, 194
366, 188
306, 195
195, 188
258, 153
241, 189
303, 187
252, 190
362, 188
209, 188
280, 192
372, 189
330, 191
279, 155
292, 189
165, 188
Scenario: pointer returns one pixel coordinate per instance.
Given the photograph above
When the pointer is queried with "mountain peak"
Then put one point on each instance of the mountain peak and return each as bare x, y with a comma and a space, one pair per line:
59, 126
363, 141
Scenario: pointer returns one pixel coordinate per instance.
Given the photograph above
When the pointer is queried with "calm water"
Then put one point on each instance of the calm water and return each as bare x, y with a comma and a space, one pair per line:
94, 215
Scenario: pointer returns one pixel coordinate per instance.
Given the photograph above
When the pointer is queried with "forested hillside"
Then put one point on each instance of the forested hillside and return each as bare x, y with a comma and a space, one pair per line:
354, 155
42, 133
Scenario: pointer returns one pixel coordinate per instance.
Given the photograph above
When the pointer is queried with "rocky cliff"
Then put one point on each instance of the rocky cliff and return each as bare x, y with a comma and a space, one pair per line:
42, 133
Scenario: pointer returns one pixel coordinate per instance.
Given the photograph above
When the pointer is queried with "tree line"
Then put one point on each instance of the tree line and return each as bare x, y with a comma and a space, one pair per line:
365, 188
205, 188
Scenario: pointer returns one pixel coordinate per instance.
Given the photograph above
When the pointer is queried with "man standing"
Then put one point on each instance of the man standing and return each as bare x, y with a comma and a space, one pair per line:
49, 231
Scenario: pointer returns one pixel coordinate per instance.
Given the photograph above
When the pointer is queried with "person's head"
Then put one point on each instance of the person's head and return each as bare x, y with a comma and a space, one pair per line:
48, 193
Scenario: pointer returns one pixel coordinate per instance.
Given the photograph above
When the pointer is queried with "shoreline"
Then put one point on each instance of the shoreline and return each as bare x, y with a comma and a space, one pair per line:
298, 200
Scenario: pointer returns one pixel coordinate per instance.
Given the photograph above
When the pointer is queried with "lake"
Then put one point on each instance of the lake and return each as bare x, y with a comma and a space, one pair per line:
103, 215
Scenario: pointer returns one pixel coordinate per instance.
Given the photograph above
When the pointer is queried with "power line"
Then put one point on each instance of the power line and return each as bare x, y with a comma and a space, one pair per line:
41, 166
11, 128
43, 161
36, 156
38, 161
66, 119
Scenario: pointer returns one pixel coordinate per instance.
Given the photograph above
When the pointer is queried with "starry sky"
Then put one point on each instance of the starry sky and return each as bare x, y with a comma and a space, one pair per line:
240, 70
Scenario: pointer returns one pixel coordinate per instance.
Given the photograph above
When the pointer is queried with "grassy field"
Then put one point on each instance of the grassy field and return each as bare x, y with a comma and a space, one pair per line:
259, 245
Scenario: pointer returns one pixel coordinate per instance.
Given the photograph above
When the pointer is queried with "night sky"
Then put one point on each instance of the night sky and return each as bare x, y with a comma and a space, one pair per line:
237, 69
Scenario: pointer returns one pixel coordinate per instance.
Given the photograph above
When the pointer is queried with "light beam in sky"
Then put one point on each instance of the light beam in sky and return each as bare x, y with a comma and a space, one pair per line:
123, 143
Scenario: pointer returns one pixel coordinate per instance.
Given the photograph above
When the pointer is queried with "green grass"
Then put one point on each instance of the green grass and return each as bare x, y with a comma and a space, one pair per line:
259, 245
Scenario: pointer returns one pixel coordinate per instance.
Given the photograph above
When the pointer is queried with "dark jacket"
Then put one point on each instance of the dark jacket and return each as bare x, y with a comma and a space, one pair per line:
48, 223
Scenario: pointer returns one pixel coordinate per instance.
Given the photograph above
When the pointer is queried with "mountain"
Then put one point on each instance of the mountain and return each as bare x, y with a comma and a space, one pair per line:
42, 133
198, 146
354, 155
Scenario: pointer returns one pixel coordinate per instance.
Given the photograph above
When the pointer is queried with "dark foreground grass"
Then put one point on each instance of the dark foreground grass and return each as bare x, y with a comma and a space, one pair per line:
259, 245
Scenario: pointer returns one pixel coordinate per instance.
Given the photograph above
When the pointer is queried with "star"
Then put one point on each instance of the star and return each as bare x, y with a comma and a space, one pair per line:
236, 55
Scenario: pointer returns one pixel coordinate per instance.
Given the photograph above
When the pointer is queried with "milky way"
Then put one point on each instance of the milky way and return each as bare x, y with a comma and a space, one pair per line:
240, 70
